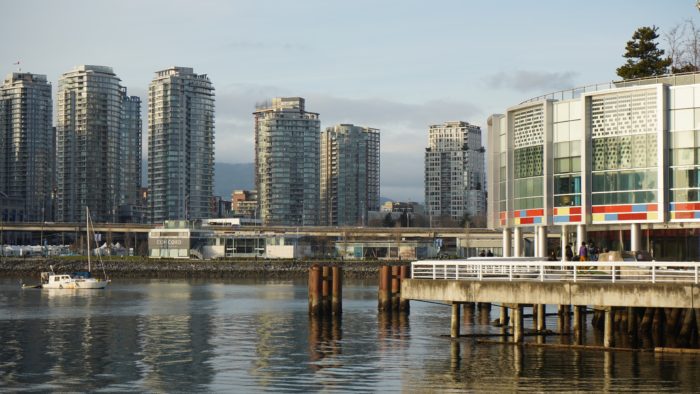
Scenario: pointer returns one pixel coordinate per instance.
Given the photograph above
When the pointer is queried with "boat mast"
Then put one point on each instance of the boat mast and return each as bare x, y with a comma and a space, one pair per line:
87, 233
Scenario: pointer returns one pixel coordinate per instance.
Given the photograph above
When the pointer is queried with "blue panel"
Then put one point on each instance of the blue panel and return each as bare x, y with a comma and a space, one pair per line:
639, 208
697, 215
673, 206
537, 219
610, 216
561, 219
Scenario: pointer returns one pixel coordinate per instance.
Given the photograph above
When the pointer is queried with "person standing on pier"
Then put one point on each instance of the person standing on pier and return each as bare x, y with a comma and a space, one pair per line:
583, 252
569, 252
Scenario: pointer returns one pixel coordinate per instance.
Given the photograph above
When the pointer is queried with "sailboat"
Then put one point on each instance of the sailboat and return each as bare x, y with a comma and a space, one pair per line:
76, 280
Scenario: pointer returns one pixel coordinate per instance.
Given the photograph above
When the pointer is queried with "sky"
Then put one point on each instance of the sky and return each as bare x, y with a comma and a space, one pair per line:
399, 66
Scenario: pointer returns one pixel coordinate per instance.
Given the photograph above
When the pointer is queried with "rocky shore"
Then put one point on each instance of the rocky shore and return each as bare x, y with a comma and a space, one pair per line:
135, 267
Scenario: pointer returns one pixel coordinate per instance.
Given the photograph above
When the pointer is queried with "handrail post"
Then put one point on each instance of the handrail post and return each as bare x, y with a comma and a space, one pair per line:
541, 272
573, 268
696, 274
457, 271
444, 271
653, 274
434, 271
510, 272
479, 271
612, 272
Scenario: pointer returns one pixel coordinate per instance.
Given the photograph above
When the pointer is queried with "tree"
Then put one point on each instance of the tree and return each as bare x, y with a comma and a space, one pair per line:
644, 58
683, 44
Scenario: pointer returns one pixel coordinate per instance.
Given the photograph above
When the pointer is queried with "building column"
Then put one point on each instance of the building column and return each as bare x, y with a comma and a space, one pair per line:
635, 237
580, 236
564, 241
506, 242
541, 246
518, 242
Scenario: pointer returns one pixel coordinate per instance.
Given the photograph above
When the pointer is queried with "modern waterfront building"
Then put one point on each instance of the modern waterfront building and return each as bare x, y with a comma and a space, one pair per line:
349, 174
454, 172
26, 148
97, 123
287, 142
616, 164
181, 145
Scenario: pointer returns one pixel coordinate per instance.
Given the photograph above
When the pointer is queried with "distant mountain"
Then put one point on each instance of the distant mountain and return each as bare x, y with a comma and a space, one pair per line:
227, 177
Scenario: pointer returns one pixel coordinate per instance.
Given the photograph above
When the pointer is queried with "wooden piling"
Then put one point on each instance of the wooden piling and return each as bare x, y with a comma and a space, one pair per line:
337, 293
326, 289
395, 287
647, 319
404, 304
632, 317
384, 304
315, 285
504, 316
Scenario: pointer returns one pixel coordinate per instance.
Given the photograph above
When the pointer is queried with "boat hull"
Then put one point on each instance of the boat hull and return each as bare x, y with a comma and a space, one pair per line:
85, 284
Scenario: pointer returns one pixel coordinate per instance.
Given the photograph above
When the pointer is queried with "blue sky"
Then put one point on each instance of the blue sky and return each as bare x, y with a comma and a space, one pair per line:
395, 65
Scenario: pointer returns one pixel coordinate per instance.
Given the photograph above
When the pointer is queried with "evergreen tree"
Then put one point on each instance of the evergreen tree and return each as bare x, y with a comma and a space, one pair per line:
644, 58
388, 221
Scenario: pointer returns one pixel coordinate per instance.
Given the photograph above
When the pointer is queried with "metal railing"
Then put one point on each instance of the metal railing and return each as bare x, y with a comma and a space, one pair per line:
505, 269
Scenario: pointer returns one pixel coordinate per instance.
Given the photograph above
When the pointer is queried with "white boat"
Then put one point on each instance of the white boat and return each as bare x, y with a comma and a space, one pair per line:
76, 280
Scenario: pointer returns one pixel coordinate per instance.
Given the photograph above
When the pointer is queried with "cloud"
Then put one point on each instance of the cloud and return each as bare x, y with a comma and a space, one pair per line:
529, 81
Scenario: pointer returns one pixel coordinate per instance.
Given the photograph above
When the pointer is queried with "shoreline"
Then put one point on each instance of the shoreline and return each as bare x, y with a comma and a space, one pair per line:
172, 268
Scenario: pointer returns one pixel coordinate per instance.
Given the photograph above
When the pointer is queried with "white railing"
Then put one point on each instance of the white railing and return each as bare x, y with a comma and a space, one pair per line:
534, 269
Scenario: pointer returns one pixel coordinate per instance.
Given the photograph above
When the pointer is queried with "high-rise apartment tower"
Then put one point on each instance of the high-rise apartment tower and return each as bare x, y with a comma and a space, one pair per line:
90, 143
349, 174
454, 172
26, 148
180, 145
287, 162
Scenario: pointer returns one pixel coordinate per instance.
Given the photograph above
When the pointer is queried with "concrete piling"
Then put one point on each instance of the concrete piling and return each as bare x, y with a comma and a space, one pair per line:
608, 339
518, 323
404, 304
579, 322
541, 314
454, 326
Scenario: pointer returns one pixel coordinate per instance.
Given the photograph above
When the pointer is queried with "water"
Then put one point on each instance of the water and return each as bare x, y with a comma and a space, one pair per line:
243, 336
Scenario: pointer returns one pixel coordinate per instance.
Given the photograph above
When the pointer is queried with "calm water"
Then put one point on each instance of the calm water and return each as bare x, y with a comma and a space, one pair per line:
180, 335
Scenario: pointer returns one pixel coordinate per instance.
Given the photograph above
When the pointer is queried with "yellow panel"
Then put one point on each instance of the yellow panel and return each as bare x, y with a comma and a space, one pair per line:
562, 211
652, 215
598, 217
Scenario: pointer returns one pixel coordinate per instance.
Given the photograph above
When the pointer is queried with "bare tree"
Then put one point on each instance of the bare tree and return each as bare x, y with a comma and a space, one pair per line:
692, 46
675, 39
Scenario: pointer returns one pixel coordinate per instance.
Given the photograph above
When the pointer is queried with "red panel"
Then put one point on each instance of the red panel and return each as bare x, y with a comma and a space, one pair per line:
516, 214
686, 206
503, 215
535, 212
632, 216
652, 207
555, 211
598, 209
527, 220
575, 210
611, 208
685, 215
575, 218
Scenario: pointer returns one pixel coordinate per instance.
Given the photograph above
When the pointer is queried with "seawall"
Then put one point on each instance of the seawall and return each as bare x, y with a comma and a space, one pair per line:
172, 268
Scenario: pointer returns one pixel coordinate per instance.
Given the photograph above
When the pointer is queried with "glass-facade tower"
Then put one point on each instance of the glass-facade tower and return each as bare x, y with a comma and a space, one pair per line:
287, 143
180, 145
89, 140
349, 174
26, 148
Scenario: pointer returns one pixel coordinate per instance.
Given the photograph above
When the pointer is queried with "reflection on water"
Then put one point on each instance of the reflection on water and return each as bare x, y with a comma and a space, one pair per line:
178, 335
